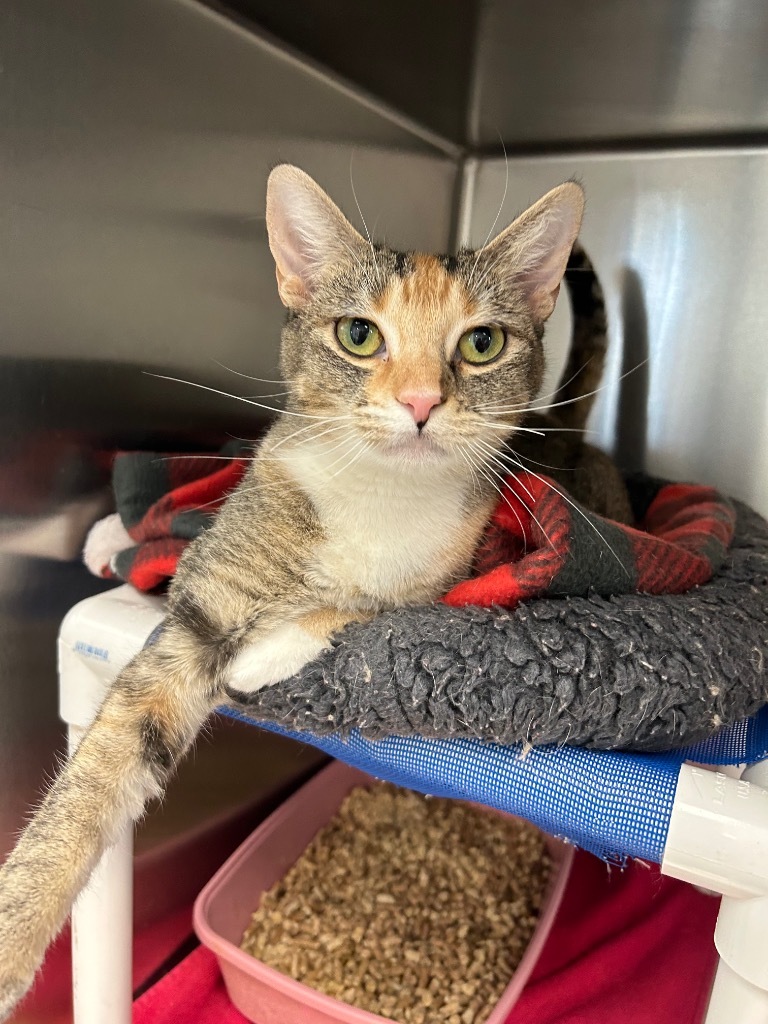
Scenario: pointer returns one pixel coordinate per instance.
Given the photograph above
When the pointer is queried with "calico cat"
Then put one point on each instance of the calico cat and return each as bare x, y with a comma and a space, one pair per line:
407, 375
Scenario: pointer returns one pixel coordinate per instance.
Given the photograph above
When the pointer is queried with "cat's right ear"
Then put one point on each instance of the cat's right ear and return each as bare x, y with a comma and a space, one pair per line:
533, 251
308, 233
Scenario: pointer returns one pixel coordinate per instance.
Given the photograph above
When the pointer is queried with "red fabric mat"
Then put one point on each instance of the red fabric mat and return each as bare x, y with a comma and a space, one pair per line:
633, 947
534, 545
50, 1001
627, 946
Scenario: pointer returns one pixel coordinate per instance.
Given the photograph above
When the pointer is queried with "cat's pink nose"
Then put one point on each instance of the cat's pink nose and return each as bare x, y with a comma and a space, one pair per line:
420, 404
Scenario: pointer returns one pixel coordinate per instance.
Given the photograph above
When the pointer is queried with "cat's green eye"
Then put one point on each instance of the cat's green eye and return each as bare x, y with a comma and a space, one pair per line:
358, 336
481, 344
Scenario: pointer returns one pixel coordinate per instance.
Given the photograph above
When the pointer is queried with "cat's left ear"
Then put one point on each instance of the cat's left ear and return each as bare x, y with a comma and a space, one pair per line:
533, 251
308, 233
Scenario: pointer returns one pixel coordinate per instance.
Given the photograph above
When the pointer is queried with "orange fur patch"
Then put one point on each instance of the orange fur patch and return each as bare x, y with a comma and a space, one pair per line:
324, 623
418, 315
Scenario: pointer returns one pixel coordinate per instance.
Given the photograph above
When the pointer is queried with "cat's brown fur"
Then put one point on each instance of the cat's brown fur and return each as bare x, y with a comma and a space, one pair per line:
351, 506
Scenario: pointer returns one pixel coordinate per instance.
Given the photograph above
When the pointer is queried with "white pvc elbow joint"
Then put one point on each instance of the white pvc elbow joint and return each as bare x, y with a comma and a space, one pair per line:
718, 839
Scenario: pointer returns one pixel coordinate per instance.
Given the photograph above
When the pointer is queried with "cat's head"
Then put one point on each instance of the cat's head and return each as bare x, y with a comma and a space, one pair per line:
425, 357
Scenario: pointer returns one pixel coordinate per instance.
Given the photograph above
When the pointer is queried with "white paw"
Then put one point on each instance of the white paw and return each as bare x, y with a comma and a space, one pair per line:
278, 656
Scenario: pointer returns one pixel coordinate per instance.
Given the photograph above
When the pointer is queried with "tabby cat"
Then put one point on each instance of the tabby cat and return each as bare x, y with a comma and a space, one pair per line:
408, 374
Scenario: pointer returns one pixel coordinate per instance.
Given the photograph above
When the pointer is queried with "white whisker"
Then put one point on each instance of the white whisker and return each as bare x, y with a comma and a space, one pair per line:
567, 401
500, 490
259, 380
367, 232
576, 508
475, 482
498, 459
496, 219
295, 433
544, 465
294, 454
239, 398
225, 458
510, 429
361, 448
311, 438
347, 441
551, 394
505, 478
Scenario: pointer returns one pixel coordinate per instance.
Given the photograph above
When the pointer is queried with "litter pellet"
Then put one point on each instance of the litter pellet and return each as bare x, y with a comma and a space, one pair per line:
413, 908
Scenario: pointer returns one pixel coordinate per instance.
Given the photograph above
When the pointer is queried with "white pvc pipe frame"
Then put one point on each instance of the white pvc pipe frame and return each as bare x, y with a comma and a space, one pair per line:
97, 638
717, 839
102, 934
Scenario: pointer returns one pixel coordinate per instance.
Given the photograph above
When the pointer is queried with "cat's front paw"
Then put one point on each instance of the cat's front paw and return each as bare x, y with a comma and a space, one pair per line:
270, 659
12, 991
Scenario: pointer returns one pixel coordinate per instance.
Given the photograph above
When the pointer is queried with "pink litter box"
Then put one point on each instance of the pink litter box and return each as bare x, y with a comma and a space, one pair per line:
223, 910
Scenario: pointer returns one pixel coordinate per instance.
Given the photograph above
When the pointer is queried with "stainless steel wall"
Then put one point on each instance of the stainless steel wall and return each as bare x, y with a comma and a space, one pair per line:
560, 73
574, 73
417, 56
680, 240
135, 141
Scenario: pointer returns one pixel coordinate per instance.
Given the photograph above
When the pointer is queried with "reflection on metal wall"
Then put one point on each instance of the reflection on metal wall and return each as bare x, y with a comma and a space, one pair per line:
582, 72
417, 56
681, 242
136, 140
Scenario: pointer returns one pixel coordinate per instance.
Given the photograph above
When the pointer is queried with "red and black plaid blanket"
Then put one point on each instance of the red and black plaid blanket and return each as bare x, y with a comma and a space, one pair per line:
539, 541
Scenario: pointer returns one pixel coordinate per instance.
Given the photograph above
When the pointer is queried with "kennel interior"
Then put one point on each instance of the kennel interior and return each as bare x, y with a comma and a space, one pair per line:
137, 136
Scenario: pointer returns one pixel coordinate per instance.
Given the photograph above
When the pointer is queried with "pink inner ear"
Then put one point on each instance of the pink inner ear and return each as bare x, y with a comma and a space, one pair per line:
307, 232
300, 233
544, 267
545, 276
291, 247
292, 263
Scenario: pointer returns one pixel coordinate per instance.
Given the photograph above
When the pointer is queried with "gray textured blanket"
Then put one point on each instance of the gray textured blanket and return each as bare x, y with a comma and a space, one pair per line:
634, 672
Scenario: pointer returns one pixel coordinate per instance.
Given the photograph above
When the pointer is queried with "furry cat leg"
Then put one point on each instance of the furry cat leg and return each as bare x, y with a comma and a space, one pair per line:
145, 724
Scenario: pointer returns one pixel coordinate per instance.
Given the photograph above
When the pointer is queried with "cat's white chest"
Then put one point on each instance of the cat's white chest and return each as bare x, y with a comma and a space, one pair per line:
391, 538
389, 545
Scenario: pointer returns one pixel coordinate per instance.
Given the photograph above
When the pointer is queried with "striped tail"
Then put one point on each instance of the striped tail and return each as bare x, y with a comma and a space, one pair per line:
586, 359
149, 718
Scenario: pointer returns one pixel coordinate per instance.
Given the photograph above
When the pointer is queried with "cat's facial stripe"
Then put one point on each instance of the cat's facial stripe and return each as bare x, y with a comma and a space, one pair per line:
450, 263
402, 264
